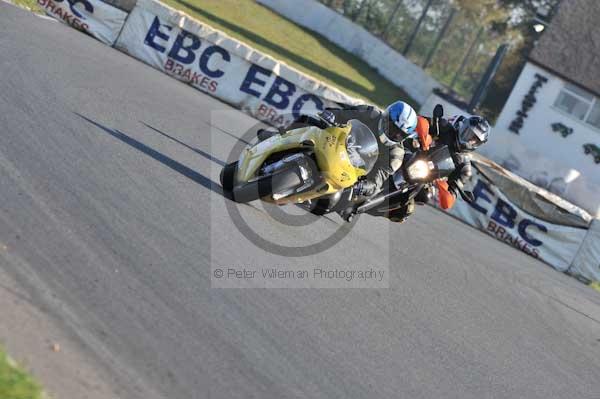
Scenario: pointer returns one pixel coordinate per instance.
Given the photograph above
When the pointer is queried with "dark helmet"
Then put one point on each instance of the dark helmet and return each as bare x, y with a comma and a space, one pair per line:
471, 132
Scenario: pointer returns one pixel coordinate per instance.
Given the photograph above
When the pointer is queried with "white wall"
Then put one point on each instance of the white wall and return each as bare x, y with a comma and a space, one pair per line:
353, 38
542, 155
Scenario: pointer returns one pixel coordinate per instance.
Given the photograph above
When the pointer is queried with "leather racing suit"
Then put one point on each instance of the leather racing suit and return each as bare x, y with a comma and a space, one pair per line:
462, 160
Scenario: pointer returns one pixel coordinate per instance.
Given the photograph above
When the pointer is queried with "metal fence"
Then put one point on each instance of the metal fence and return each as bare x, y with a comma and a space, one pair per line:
452, 46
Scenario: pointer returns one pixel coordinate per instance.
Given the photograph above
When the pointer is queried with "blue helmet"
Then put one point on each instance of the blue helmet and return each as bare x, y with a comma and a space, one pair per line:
401, 121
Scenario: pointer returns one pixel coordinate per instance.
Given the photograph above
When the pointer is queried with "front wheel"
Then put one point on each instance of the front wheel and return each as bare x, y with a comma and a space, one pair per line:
327, 204
401, 214
321, 207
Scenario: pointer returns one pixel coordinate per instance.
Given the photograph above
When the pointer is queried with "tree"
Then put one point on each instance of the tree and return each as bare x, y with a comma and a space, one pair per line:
504, 21
519, 26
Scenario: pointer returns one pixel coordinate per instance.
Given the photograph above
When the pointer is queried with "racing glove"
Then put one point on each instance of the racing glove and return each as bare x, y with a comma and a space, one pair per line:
457, 180
328, 117
364, 188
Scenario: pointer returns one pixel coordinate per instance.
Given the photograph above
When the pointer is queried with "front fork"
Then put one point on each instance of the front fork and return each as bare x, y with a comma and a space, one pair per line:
383, 202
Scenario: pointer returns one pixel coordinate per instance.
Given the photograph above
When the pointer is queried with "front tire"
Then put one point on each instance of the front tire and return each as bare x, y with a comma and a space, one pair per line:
325, 205
401, 214
322, 206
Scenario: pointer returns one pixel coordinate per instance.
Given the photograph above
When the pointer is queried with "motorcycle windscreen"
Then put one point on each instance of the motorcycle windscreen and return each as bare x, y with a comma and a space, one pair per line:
362, 147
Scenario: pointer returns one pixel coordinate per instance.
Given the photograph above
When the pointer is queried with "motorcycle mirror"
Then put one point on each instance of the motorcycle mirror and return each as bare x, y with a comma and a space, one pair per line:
438, 111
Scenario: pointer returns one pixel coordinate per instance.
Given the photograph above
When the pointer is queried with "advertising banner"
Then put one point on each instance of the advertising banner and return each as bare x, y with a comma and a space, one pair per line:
587, 262
95, 17
498, 215
220, 66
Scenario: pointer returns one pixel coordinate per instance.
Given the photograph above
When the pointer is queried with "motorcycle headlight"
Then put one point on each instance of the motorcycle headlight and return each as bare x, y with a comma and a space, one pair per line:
418, 170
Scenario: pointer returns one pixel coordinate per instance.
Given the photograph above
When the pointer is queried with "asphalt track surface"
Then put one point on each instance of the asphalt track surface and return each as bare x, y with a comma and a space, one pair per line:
121, 224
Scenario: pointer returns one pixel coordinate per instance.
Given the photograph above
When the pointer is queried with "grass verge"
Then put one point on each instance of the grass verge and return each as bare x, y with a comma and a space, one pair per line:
15, 383
298, 47
29, 4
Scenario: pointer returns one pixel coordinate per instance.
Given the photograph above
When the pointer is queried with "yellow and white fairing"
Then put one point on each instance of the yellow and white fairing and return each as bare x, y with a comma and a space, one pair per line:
329, 146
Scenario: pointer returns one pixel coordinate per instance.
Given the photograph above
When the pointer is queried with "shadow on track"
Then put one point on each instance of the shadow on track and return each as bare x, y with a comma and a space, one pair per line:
165, 160
173, 164
196, 150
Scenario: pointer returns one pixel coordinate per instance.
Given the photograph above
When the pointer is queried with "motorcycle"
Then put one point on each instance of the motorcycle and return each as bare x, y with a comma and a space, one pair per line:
316, 166
423, 172
302, 165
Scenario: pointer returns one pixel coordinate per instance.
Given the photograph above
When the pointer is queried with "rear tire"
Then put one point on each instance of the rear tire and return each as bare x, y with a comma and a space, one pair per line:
227, 176
264, 186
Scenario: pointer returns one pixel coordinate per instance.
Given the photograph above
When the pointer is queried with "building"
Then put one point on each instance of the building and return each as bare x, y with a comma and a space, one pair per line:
549, 129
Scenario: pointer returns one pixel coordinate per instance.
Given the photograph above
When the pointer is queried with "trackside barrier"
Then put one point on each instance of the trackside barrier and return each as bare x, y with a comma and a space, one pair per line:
587, 261
95, 17
532, 220
203, 57
506, 207
214, 63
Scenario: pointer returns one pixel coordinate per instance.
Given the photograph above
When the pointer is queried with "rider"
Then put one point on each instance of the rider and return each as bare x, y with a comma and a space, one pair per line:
392, 127
462, 135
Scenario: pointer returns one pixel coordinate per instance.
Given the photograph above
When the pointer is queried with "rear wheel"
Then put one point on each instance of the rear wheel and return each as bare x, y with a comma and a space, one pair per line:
227, 176
278, 182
